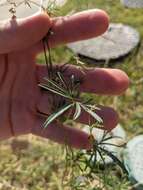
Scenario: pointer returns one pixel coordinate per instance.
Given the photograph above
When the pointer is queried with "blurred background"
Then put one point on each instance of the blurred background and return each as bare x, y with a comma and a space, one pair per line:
32, 163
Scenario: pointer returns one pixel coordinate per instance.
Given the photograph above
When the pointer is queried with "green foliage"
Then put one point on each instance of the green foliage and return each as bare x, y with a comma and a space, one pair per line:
57, 114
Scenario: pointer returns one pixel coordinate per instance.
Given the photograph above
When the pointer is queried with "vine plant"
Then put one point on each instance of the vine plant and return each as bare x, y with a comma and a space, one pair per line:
67, 99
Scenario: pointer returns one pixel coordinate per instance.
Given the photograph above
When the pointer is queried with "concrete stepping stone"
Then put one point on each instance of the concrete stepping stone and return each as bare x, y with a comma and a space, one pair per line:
117, 42
132, 3
133, 160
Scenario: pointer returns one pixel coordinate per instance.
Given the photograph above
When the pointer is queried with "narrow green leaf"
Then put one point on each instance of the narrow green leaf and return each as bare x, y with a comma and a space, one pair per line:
62, 80
101, 156
115, 159
55, 85
55, 115
110, 137
110, 144
47, 87
93, 107
93, 114
77, 111
54, 91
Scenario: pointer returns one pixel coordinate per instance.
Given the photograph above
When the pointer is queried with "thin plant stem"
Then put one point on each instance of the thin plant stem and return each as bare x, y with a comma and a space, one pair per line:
45, 55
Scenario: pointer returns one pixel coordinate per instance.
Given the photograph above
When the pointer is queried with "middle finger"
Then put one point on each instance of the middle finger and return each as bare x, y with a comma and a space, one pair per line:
99, 81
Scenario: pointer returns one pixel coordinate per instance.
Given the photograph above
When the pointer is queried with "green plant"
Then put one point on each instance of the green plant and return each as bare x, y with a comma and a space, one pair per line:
68, 100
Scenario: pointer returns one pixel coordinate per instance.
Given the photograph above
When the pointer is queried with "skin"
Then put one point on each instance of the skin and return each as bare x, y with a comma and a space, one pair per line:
20, 43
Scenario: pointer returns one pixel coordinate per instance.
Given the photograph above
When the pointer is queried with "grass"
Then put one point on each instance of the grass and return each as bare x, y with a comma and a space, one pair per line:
38, 164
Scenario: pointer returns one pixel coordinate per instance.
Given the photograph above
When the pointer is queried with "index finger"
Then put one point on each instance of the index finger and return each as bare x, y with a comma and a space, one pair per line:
80, 26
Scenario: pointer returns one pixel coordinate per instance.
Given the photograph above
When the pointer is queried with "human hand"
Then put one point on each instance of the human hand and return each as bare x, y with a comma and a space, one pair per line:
20, 96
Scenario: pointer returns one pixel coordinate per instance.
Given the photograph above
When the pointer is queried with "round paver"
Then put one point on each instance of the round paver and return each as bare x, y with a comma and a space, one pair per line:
133, 159
132, 3
117, 42
25, 9
120, 137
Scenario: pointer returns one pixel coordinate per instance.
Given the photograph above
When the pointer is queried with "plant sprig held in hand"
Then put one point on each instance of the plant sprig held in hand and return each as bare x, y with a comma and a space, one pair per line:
71, 101
56, 84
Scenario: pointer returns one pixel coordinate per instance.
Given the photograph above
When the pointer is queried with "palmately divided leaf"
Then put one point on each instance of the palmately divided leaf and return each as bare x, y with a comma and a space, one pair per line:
93, 114
55, 115
77, 111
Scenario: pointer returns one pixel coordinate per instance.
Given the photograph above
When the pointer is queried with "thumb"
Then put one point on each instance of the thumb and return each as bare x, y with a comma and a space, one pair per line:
17, 34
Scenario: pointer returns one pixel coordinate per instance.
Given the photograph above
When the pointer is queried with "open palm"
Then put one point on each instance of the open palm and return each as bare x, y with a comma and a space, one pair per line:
20, 96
